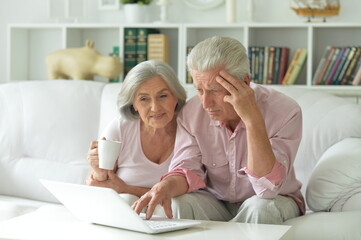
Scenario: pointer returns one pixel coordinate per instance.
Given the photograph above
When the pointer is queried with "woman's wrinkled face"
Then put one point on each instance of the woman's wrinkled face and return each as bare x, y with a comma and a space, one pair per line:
155, 103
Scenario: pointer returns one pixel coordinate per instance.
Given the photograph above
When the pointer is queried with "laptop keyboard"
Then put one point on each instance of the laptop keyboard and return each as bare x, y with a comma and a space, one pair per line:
161, 224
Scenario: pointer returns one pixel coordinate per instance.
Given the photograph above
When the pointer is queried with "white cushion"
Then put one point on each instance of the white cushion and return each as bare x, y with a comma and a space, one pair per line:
327, 119
325, 225
45, 132
335, 183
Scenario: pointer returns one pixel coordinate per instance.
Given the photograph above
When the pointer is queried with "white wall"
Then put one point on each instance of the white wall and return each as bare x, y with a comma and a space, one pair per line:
36, 11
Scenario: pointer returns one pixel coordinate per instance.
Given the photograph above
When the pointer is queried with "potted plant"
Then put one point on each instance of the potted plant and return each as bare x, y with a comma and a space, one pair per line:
135, 10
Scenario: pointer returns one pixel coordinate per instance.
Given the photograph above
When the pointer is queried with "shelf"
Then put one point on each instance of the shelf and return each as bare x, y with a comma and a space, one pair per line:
29, 44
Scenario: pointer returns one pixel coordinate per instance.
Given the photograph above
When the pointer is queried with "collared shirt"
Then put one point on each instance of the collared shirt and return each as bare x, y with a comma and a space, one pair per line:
209, 155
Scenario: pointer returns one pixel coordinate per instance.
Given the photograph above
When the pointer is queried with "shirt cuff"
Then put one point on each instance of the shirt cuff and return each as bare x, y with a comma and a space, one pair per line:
193, 180
268, 185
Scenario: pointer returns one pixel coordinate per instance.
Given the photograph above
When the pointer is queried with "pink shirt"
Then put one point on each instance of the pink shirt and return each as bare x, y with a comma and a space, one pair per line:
134, 168
210, 155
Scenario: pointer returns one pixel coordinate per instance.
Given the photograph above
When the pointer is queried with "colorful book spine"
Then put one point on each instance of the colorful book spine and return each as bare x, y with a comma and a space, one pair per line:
340, 66
298, 67
283, 63
346, 65
325, 65
321, 64
271, 59
260, 64
276, 66
265, 65
142, 43
357, 79
335, 65
158, 47
130, 49
330, 65
346, 79
291, 66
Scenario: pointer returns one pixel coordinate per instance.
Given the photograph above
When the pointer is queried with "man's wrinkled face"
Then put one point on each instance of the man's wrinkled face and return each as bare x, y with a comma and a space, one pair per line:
211, 94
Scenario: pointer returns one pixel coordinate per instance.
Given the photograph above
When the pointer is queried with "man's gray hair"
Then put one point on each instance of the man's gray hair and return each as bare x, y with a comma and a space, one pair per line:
141, 73
219, 51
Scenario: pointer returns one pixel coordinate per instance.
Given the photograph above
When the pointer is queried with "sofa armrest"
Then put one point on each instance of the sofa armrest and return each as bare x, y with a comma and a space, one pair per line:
335, 183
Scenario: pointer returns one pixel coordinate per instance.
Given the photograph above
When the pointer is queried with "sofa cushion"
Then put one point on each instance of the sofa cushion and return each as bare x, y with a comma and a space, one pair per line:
327, 119
45, 131
335, 183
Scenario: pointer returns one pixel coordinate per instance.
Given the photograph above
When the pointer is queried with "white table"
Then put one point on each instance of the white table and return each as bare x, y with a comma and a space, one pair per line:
56, 222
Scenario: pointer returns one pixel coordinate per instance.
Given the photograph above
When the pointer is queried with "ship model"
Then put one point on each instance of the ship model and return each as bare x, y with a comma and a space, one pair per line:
316, 8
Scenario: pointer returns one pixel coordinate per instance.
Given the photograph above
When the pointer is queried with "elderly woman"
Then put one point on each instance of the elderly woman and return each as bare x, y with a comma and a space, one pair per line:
149, 100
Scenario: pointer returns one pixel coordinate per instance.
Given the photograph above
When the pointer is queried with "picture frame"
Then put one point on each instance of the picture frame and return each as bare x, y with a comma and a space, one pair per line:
109, 4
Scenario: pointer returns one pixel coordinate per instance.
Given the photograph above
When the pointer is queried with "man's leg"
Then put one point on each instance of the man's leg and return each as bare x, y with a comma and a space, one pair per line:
200, 205
266, 211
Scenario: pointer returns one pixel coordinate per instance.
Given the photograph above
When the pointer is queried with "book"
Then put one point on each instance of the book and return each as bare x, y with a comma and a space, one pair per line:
256, 66
265, 65
325, 65
321, 64
295, 72
340, 66
276, 67
346, 79
346, 65
291, 66
330, 65
188, 74
335, 65
142, 43
271, 58
357, 79
260, 64
130, 49
283, 63
252, 61
158, 47
354, 72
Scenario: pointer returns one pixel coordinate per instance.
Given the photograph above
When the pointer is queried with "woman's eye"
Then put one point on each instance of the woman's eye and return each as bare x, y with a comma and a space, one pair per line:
143, 99
163, 95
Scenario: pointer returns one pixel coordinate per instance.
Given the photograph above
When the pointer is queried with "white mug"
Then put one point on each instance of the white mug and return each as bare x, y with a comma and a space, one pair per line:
108, 152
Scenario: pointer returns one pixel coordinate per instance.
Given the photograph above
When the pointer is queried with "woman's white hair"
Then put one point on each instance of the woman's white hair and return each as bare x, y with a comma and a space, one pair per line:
141, 73
219, 51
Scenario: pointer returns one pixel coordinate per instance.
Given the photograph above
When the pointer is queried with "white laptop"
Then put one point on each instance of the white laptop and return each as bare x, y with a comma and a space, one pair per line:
105, 207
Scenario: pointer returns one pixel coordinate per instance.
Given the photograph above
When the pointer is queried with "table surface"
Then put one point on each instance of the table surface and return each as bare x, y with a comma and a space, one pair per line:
56, 222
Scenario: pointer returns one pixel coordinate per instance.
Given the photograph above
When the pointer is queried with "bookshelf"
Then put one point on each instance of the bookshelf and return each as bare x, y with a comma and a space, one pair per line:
30, 43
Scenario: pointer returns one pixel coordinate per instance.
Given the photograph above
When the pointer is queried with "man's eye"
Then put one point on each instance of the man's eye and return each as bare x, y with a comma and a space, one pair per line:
200, 91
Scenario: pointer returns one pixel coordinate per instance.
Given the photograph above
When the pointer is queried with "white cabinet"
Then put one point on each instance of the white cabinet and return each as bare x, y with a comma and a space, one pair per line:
29, 44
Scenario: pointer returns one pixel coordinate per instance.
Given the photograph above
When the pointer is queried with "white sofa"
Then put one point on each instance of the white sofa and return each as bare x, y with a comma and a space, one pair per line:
46, 128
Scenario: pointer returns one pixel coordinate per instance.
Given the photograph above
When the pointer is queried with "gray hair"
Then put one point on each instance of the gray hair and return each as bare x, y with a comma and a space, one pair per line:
219, 51
141, 73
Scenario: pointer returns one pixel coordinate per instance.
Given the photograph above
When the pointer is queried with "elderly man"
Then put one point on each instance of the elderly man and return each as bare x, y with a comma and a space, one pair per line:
235, 146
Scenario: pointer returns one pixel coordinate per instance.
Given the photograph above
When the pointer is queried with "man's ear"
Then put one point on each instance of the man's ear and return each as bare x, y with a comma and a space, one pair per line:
247, 79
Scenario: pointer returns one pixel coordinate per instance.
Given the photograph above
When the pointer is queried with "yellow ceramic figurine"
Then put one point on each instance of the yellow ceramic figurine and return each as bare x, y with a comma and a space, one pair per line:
82, 64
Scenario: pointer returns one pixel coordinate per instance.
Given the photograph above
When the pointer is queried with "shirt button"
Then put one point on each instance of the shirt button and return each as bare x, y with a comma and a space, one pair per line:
213, 164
